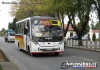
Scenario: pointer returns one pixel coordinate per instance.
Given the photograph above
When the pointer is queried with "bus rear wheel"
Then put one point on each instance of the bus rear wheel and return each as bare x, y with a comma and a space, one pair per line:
19, 47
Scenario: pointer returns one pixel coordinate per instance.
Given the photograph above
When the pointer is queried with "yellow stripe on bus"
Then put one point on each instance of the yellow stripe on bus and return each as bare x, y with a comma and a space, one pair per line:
21, 41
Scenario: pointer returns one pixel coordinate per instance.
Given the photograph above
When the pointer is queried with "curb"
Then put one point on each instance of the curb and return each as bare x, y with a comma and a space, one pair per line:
14, 61
7, 64
6, 59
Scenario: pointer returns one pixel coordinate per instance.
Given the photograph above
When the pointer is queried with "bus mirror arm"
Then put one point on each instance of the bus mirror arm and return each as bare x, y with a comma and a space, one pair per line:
25, 30
26, 27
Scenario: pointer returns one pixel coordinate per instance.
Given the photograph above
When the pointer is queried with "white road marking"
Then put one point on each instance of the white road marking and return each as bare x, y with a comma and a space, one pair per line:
83, 58
87, 59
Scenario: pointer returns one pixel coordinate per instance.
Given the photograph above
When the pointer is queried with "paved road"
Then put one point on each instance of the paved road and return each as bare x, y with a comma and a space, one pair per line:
50, 62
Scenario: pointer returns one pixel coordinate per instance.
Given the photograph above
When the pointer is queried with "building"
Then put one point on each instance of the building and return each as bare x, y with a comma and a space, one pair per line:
70, 32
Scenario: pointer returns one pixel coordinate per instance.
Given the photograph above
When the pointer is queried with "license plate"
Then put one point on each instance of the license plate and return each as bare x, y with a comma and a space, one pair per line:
49, 49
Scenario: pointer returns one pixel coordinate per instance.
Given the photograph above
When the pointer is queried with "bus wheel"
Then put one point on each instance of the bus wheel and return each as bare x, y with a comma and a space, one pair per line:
8, 41
19, 47
29, 52
56, 54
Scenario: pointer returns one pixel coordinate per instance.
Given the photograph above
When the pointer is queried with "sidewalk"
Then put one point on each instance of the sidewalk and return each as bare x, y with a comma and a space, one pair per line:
9, 66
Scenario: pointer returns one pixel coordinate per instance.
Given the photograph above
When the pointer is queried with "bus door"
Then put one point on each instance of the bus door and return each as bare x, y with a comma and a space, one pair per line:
20, 37
26, 34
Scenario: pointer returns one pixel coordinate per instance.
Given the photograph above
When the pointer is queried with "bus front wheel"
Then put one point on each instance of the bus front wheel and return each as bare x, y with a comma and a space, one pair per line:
56, 54
29, 52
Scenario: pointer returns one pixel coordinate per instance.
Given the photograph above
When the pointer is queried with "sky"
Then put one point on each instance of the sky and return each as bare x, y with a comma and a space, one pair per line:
5, 17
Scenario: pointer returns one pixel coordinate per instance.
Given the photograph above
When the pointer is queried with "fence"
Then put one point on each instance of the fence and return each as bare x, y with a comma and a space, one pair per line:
91, 45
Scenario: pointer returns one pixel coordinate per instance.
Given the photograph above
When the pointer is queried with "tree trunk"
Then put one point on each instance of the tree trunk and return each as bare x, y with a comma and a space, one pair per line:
69, 22
80, 40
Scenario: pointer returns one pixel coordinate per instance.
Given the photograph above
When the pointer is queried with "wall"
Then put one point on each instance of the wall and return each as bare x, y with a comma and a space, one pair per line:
68, 34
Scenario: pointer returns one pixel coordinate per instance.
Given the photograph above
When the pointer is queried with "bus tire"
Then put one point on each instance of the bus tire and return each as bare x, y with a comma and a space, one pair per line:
64, 45
29, 51
19, 47
56, 54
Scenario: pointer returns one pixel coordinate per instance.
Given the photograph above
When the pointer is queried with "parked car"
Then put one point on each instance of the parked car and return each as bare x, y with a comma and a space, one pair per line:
85, 37
73, 38
76, 38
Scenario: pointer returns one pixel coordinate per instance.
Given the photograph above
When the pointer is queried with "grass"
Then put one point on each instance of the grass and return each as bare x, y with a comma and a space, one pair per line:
1, 67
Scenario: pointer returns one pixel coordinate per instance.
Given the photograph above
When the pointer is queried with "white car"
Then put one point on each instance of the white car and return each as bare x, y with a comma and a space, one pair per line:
9, 37
85, 37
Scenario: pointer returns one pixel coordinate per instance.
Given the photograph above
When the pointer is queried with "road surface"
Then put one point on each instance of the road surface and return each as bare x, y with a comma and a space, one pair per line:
51, 62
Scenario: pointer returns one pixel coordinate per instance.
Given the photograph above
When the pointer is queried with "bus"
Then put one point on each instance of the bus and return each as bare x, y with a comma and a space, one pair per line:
40, 34
10, 36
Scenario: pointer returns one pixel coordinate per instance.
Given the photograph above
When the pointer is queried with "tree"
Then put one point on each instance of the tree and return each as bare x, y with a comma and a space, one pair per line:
2, 32
96, 7
28, 8
93, 37
86, 30
93, 26
12, 25
97, 26
82, 11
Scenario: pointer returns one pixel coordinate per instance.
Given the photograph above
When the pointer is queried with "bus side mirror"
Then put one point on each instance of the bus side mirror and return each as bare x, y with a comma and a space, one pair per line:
25, 29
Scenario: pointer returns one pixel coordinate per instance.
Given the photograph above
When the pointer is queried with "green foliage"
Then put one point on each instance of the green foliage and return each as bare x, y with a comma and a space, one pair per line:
86, 30
93, 26
94, 37
12, 25
97, 39
97, 26
2, 32
1, 67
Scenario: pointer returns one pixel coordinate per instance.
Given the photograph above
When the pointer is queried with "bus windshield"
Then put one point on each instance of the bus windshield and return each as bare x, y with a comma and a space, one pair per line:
45, 31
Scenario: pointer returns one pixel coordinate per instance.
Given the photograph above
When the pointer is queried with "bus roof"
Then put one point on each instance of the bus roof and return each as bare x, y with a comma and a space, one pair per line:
44, 17
39, 17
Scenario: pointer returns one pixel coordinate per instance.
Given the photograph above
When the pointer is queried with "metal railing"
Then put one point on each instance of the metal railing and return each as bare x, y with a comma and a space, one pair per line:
91, 45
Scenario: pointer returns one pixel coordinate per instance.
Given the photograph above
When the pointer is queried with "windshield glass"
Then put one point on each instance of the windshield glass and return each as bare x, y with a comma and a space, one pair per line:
45, 29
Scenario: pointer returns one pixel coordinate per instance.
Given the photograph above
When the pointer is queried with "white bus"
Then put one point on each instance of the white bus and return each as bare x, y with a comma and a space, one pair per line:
40, 34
